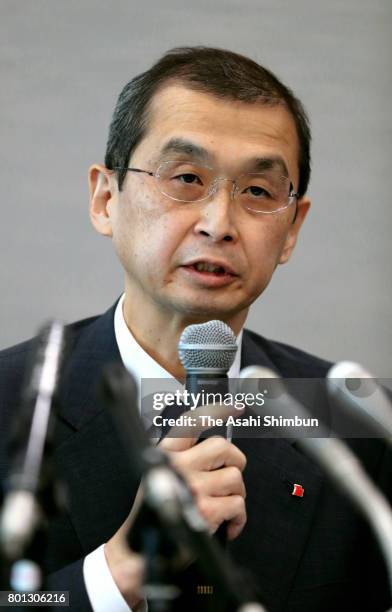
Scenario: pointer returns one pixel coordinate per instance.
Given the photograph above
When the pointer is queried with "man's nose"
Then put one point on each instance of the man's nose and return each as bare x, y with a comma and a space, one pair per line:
217, 215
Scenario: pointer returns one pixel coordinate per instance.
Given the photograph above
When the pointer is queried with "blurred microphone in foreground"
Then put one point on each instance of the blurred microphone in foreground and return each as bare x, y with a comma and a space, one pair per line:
31, 489
334, 456
167, 522
359, 393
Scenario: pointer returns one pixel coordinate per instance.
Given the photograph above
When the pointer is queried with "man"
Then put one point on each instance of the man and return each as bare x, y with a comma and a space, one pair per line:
203, 194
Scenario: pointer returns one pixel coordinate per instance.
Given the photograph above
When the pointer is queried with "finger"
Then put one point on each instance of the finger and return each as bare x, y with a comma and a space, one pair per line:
218, 483
236, 525
216, 510
184, 437
211, 454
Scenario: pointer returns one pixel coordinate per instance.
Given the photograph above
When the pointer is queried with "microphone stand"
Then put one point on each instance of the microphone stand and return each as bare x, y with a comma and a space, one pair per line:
149, 537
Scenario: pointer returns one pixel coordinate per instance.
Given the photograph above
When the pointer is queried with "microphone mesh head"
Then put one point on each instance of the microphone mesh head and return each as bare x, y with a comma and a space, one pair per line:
207, 345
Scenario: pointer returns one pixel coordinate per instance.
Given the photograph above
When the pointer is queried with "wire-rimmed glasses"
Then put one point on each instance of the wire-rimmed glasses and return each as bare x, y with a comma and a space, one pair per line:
264, 192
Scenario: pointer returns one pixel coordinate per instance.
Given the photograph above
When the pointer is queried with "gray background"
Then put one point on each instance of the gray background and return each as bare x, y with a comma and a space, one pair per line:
63, 64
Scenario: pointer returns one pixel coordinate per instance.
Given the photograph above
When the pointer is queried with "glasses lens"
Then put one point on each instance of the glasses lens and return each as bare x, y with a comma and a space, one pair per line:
184, 181
264, 192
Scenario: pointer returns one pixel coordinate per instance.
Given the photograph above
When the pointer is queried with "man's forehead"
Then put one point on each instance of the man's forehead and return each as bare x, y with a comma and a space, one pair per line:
198, 118
176, 101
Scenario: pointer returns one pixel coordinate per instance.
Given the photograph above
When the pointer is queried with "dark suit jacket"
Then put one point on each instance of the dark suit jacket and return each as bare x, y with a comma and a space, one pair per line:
306, 554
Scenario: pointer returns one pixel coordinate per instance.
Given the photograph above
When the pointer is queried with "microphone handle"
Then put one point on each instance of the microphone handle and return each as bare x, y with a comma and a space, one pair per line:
207, 382
204, 383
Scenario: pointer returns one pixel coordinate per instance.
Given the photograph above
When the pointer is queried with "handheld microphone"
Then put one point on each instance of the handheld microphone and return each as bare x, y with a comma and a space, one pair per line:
360, 394
22, 510
207, 351
338, 461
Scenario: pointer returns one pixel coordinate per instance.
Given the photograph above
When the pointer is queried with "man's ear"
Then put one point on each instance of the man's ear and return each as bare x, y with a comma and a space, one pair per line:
102, 188
303, 206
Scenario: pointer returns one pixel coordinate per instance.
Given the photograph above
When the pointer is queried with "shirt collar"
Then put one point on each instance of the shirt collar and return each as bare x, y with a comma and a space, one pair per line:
139, 363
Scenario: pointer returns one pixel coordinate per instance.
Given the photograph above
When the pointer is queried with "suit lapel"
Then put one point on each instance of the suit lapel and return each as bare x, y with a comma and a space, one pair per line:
93, 347
278, 525
100, 487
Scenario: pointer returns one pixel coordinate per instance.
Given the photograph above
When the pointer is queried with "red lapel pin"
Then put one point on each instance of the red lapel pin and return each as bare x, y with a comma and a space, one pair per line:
298, 490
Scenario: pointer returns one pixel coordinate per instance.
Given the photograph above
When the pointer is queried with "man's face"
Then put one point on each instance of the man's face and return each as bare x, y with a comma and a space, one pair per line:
160, 242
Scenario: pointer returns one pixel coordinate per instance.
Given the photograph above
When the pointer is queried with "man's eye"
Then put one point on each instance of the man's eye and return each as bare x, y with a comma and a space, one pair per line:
188, 178
257, 192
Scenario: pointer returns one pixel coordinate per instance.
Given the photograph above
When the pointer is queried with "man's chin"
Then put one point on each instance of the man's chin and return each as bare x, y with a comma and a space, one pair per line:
200, 311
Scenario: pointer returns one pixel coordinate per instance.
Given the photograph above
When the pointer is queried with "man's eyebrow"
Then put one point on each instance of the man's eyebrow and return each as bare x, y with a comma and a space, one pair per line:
186, 147
190, 149
260, 164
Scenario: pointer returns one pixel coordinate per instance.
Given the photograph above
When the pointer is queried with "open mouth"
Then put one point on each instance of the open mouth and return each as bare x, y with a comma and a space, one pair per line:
209, 273
209, 268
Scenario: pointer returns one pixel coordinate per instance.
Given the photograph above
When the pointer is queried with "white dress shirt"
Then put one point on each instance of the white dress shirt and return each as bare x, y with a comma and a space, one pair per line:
102, 590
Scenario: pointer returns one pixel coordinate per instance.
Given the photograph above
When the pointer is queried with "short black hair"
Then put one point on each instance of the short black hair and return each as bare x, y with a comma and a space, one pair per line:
222, 73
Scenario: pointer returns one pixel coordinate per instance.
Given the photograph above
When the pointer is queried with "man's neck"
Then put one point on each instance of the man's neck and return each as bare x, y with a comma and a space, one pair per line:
159, 335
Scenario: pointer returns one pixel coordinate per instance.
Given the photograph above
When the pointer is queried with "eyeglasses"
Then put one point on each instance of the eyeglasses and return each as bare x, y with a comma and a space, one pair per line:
264, 192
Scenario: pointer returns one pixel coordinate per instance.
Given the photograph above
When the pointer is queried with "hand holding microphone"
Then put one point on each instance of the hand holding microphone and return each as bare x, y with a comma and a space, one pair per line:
213, 467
